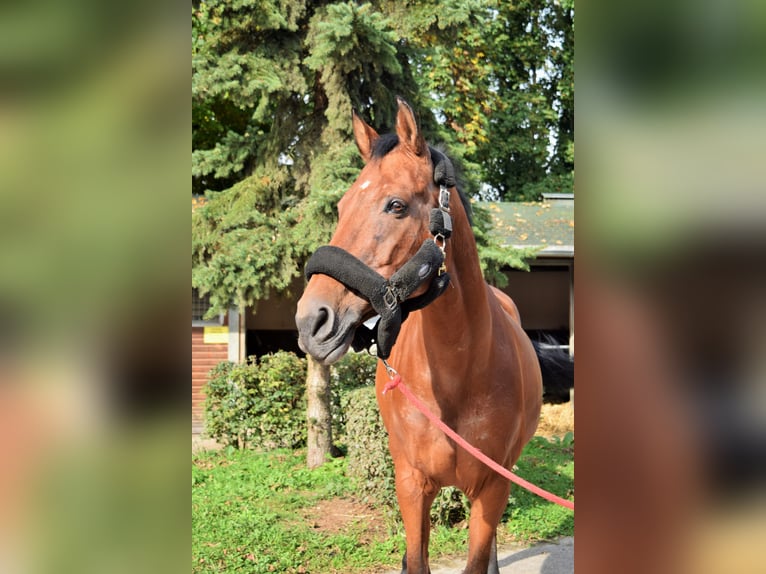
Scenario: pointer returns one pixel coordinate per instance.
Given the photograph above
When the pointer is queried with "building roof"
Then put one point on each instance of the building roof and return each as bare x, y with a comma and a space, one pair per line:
548, 224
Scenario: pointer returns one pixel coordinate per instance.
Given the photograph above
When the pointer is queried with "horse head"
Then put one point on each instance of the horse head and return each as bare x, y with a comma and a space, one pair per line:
383, 221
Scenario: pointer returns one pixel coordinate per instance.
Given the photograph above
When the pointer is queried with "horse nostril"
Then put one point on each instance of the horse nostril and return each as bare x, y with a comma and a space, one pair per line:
323, 322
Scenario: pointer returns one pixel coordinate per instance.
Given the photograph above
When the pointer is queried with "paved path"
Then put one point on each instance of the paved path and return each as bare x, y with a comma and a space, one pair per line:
544, 558
200, 443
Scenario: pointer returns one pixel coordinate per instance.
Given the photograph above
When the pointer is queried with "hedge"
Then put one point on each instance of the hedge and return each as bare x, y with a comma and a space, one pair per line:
260, 403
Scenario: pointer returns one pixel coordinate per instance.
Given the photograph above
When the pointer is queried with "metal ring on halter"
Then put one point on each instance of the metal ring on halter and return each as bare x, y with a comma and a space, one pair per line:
441, 243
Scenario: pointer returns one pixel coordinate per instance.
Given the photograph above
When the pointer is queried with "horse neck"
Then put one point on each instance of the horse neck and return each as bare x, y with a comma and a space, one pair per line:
465, 302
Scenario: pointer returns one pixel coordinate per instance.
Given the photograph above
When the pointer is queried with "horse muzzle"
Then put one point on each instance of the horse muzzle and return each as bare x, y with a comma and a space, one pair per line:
324, 330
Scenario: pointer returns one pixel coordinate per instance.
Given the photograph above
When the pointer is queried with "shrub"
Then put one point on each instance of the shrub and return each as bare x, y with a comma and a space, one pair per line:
450, 507
369, 462
261, 403
227, 404
280, 406
353, 371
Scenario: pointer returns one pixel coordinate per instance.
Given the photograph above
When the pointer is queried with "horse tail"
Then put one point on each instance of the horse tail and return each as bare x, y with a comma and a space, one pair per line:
557, 368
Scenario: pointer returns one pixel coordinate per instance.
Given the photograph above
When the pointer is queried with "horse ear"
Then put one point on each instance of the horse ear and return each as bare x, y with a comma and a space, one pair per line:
407, 128
364, 135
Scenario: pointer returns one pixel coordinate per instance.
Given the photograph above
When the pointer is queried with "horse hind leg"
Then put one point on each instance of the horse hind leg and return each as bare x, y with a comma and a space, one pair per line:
487, 509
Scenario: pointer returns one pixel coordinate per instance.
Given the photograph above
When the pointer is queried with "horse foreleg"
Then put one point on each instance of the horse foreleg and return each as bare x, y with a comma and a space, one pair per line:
415, 493
487, 509
494, 567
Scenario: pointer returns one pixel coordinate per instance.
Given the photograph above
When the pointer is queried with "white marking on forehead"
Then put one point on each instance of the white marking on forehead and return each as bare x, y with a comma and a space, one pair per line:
365, 185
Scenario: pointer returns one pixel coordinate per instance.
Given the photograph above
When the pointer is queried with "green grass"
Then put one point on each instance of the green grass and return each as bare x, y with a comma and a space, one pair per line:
249, 514
550, 465
255, 512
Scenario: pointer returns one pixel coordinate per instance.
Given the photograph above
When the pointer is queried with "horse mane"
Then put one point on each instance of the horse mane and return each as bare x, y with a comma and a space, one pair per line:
387, 142
384, 144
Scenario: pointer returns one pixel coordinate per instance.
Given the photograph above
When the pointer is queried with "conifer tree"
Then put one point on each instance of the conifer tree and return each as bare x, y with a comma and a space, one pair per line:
273, 87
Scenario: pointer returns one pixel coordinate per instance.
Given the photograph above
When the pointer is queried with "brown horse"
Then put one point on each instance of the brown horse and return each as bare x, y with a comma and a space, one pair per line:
465, 354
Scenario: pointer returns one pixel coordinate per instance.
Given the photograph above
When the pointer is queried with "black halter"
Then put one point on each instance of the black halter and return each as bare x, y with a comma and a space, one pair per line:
391, 297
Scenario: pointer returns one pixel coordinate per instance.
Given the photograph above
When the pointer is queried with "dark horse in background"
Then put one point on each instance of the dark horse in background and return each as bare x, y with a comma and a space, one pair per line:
465, 354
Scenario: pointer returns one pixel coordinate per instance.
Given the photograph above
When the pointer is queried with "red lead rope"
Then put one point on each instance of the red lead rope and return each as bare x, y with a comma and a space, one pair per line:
396, 382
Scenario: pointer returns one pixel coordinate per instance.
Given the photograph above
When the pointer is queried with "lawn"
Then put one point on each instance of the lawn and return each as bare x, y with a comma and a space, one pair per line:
266, 512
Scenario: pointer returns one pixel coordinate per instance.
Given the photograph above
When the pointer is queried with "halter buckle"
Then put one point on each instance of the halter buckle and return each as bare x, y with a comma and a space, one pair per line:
444, 196
389, 298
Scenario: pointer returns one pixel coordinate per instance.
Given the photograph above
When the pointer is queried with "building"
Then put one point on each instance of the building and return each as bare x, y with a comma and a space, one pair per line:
545, 294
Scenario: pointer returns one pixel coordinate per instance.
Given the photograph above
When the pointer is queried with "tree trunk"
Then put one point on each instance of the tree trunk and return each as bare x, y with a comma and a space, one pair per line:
319, 417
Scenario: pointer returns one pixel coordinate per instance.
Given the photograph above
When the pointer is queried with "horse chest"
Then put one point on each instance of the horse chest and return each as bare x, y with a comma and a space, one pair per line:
426, 448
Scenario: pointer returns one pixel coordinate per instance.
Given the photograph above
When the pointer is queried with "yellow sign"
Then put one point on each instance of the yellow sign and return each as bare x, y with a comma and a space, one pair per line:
212, 335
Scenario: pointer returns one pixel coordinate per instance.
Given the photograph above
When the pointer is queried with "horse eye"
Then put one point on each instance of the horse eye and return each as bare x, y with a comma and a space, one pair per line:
397, 207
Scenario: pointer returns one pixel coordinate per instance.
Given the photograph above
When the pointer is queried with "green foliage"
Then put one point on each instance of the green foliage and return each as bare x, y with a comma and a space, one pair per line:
555, 183
549, 464
227, 405
245, 59
533, 48
348, 43
353, 371
450, 507
240, 249
500, 77
369, 462
260, 403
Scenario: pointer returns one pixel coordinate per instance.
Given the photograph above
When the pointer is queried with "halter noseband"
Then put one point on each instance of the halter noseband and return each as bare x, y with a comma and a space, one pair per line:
390, 297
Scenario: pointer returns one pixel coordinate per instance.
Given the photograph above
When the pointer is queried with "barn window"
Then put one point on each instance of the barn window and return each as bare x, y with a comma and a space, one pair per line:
200, 306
